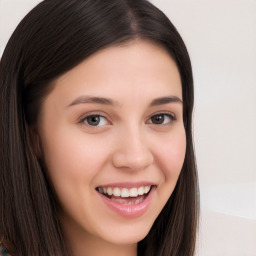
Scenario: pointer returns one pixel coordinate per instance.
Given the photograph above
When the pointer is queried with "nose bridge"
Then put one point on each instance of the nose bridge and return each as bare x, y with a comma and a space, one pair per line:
133, 149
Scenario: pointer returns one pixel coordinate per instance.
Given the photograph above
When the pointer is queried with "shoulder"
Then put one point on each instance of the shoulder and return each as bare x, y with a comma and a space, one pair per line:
3, 252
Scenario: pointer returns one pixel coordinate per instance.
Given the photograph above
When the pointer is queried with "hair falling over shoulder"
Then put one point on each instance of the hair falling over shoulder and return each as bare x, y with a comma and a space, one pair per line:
53, 38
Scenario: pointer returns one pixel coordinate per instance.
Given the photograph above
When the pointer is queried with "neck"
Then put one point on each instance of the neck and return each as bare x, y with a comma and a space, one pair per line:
92, 247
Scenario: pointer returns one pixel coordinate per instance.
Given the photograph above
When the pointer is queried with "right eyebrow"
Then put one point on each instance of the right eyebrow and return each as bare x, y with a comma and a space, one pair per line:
92, 99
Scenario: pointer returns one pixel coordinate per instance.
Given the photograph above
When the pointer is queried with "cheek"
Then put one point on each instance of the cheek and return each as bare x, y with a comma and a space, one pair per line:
72, 154
73, 163
171, 154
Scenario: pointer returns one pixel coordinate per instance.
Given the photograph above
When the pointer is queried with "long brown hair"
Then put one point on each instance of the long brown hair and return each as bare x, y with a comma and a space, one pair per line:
53, 38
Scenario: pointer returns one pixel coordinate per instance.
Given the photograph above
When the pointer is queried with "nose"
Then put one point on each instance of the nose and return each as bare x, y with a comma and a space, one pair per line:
132, 152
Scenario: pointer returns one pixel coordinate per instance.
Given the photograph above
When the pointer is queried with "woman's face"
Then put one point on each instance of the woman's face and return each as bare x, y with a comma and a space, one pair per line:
113, 141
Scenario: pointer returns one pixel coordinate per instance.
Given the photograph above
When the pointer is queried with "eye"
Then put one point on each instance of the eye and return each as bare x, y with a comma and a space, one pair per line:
162, 119
95, 120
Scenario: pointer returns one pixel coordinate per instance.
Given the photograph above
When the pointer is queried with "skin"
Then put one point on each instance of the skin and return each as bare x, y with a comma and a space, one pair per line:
126, 146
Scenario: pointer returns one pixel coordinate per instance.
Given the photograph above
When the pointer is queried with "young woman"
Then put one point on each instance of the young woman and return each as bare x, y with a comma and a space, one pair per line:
96, 146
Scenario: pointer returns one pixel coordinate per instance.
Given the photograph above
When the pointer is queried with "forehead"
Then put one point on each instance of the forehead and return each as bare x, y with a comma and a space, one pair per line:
137, 67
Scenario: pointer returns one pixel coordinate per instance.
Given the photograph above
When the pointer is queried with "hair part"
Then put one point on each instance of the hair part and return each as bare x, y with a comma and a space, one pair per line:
52, 39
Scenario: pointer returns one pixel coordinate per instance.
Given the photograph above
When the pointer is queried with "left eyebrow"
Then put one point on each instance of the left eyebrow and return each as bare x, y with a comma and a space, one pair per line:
166, 100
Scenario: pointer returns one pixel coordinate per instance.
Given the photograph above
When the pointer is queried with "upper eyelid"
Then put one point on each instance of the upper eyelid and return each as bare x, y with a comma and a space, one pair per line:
93, 113
162, 113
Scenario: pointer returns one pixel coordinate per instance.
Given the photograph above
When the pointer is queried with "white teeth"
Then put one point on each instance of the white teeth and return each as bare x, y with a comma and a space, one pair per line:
141, 191
109, 191
116, 192
133, 192
125, 192
138, 201
121, 201
146, 189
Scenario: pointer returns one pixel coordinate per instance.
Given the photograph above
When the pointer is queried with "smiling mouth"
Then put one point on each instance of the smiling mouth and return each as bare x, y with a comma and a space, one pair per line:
127, 196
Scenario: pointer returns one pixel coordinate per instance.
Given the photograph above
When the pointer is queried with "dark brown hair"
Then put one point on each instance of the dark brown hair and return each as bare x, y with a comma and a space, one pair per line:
53, 38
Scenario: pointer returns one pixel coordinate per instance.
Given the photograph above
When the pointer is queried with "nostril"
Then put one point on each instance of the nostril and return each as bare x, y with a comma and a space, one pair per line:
132, 160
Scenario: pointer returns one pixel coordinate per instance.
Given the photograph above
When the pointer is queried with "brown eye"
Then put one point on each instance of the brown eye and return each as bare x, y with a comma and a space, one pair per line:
157, 119
162, 119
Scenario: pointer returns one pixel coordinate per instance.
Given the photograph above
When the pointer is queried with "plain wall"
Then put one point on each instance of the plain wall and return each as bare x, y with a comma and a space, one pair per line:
221, 39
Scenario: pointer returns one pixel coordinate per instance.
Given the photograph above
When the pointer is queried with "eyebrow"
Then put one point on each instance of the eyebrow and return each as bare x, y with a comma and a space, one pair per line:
166, 100
90, 99
110, 102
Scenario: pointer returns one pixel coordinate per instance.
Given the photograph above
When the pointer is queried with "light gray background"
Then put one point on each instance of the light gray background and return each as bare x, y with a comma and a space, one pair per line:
221, 39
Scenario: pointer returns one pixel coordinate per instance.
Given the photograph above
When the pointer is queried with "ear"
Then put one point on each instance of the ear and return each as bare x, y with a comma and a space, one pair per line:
35, 141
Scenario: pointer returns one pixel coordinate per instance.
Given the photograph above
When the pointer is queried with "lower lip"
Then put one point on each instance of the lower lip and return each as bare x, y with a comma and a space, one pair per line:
131, 211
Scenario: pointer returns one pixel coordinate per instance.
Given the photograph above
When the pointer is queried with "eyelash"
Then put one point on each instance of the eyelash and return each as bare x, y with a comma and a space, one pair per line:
172, 117
165, 114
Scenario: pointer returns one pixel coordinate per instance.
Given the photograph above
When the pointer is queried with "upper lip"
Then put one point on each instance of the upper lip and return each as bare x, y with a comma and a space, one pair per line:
128, 184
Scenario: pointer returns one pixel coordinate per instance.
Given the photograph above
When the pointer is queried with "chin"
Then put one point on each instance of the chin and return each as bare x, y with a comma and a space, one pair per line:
126, 237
